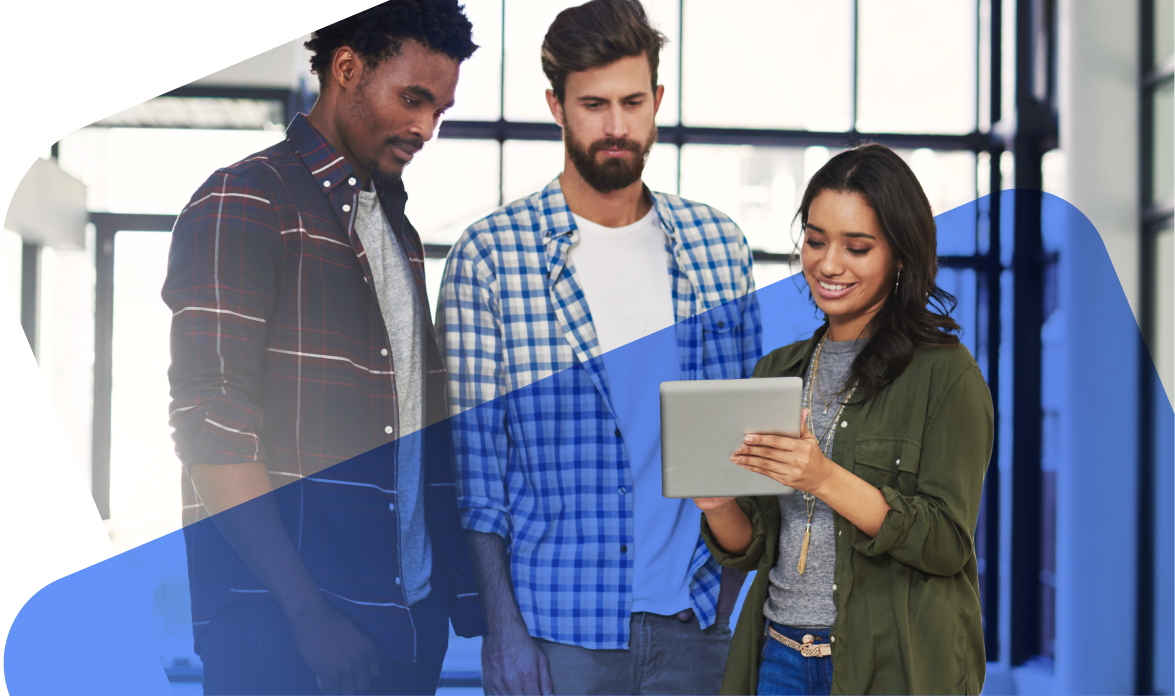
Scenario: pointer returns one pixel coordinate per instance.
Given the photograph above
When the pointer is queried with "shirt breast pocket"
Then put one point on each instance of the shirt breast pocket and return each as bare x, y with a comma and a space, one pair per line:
887, 461
721, 342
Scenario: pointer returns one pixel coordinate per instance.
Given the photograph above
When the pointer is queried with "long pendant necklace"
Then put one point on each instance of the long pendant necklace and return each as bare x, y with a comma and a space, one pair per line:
825, 447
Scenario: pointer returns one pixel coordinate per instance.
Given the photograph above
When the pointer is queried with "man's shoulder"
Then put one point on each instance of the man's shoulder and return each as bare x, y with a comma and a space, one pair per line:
697, 220
516, 224
256, 173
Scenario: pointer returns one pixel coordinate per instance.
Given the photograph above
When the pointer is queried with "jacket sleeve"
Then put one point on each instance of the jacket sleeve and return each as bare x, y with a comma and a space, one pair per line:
751, 328
763, 534
222, 277
932, 529
469, 332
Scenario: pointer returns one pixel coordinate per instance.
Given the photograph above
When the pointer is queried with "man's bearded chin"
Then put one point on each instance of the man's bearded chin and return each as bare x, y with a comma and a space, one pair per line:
614, 173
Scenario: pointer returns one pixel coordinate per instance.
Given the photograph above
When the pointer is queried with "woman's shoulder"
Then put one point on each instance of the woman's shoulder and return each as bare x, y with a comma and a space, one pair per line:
787, 361
944, 366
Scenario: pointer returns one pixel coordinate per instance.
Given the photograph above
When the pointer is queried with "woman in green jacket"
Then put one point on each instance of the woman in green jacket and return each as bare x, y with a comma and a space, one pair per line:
867, 579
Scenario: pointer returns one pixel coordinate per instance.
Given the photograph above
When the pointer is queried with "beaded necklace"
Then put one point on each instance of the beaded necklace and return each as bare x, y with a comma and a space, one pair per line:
825, 446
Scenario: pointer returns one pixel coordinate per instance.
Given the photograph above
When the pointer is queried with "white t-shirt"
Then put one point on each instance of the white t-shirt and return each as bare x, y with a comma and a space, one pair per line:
624, 275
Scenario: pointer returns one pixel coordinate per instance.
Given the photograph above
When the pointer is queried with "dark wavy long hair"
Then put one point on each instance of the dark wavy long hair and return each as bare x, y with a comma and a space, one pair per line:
917, 315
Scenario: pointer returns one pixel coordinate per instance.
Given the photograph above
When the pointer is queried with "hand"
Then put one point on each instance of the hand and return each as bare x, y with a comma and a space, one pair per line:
342, 656
513, 663
795, 462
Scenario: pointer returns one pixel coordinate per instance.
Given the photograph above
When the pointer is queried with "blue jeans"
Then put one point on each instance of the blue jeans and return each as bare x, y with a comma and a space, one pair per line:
249, 649
784, 670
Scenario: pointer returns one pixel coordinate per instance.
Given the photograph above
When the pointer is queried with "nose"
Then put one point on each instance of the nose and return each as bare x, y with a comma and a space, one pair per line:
831, 264
425, 126
614, 123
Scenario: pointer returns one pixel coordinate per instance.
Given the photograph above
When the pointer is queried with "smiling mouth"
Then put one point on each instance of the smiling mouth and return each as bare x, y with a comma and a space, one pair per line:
832, 287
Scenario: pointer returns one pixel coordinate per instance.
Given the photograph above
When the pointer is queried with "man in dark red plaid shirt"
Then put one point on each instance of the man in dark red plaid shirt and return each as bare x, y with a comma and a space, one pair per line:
308, 391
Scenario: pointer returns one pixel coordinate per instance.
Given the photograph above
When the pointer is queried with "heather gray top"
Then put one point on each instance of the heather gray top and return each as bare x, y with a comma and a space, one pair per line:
403, 313
805, 601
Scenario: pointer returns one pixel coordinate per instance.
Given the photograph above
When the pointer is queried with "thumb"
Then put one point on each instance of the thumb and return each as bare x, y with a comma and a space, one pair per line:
804, 432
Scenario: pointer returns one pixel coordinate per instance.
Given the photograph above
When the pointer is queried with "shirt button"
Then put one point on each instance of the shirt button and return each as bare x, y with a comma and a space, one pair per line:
346, 208
897, 463
351, 181
397, 581
834, 587
831, 639
391, 506
839, 532
325, 183
624, 548
622, 491
844, 424
388, 430
617, 432
383, 352
721, 324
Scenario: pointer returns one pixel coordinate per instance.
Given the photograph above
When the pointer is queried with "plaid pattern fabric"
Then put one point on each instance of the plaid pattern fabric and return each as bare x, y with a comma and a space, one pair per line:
280, 355
539, 455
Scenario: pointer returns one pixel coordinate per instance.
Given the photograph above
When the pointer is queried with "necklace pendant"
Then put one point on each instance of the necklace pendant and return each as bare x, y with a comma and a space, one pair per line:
826, 412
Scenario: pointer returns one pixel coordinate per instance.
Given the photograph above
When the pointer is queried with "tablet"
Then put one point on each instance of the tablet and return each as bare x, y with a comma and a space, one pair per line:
704, 421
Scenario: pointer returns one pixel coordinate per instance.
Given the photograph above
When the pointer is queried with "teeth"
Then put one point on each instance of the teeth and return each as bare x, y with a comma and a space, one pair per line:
831, 288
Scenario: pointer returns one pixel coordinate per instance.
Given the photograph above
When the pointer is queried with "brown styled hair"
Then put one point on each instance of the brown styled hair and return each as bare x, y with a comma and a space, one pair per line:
918, 313
595, 34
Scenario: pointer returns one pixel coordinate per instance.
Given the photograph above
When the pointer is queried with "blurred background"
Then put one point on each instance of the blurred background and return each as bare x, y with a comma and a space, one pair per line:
1070, 97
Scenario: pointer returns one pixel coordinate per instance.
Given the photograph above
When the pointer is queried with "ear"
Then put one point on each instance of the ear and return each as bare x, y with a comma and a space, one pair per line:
660, 92
555, 106
346, 68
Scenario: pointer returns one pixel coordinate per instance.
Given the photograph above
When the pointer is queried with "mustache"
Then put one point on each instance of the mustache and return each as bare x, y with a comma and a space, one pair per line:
616, 144
412, 145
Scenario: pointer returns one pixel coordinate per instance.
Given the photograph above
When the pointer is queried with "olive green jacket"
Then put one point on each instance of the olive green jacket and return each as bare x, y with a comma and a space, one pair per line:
907, 601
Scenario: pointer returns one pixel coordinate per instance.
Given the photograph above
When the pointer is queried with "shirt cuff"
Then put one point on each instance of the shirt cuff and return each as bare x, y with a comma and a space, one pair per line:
894, 528
222, 432
486, 520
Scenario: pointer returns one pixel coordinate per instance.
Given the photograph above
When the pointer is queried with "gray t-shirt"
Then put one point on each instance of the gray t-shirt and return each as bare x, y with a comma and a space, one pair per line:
404, 314
805, 601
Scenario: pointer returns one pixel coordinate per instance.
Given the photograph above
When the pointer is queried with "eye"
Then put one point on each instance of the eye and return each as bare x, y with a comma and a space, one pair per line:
814, 243
410, 101
858, 252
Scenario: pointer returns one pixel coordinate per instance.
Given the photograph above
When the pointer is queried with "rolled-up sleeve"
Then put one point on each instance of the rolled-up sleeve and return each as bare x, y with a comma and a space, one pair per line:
751, 327
763, 534
932, 529
469, 331
222, 276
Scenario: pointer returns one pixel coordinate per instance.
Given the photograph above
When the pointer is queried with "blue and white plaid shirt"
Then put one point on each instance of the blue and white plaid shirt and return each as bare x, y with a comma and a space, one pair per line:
539, 455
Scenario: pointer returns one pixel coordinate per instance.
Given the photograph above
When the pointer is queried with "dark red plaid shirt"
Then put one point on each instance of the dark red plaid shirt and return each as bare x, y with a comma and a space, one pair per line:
280, 355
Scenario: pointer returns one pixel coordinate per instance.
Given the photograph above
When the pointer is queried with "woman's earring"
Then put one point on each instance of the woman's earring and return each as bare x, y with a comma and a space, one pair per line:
898, 280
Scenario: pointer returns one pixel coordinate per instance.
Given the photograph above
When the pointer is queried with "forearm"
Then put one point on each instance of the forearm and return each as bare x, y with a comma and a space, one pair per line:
731, 528
488, 552
238, 497
857, 501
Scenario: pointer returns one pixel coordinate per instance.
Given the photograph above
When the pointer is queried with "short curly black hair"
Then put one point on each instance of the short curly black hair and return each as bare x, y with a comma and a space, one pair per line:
378, 33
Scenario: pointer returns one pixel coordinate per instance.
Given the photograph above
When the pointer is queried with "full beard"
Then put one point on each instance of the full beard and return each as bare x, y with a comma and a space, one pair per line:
615, 172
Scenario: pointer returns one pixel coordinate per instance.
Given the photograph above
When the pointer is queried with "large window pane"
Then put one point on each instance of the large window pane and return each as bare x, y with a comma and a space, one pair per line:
1164, 146
917, 66
948, 178
1164, 28
759, 187
479, 91
527, 22
768, 64
1163, 349
451, 184
144, 469
152, 170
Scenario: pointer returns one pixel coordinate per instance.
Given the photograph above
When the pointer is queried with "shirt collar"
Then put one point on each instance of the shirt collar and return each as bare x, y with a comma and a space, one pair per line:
326, 165
558, 220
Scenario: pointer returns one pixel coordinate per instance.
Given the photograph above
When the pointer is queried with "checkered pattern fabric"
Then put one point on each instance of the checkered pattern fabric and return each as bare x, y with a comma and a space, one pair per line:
539, 454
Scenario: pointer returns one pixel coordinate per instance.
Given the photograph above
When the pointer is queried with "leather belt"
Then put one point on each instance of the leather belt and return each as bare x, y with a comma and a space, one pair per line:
807, 648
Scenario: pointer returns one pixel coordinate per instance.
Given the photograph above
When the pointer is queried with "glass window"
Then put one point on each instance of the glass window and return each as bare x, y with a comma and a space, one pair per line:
768, 64
152, 170
11, 249
145, 497
479, 91
1164, 348
1164, 28
527, 22
451, 184
528, 166
758, 187
899, 89
948, 178
1164, 146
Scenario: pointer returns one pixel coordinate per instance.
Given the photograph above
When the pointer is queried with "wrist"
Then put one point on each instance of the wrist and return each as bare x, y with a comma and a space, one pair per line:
828, 482
306, 610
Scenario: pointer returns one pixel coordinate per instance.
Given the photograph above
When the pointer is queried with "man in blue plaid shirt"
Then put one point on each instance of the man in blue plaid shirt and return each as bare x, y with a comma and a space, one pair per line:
559, 316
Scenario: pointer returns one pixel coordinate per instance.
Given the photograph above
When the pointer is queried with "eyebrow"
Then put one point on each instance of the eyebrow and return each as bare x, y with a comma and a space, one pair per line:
634, 95
425, 94
855, 235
